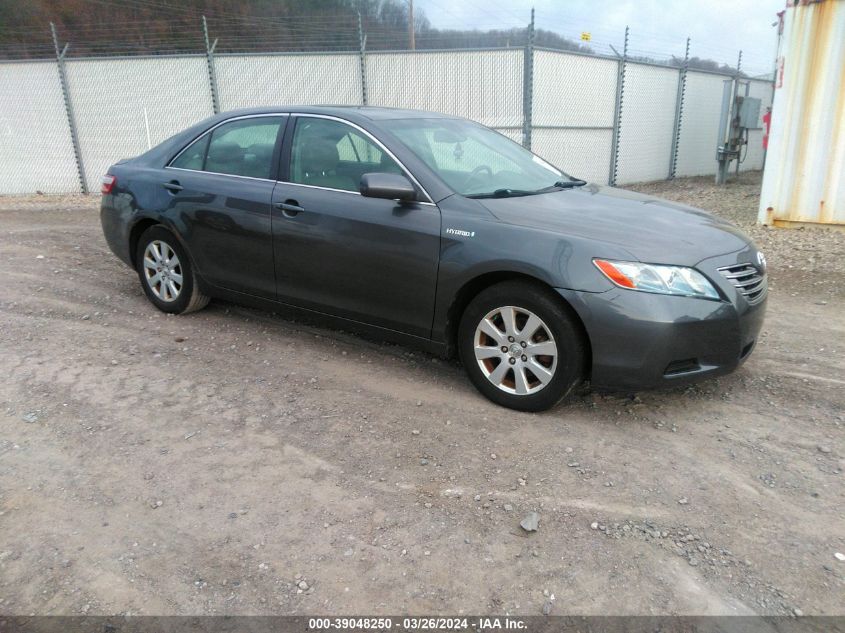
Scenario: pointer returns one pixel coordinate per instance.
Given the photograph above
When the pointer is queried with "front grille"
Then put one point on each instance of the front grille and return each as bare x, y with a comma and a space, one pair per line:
750, 282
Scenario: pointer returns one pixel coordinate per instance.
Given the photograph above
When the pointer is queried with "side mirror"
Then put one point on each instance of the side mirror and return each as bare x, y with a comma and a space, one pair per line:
388, 186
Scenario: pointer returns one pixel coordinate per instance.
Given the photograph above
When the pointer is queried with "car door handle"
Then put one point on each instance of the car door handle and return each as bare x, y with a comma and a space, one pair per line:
173, 186
289, 208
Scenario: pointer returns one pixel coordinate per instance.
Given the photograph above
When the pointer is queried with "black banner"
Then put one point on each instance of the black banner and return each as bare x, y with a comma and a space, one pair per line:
475, 624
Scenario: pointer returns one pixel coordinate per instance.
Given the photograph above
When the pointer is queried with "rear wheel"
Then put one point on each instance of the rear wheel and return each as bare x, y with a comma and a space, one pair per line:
166, 274
520, 346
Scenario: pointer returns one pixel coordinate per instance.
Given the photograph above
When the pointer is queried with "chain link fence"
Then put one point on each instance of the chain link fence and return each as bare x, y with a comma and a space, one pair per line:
602, 118
122, 107
36, 152
485, 85
573, 112
246, 81
647, 123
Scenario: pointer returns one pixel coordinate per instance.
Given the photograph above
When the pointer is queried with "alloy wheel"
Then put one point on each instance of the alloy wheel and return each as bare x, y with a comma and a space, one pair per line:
163, 270
515, 350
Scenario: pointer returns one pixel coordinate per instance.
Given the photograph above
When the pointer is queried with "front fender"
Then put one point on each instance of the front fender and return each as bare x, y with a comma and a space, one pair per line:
483, 246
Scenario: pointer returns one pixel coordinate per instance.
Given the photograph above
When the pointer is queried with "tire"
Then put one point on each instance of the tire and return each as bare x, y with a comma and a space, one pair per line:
521, 378
166, 273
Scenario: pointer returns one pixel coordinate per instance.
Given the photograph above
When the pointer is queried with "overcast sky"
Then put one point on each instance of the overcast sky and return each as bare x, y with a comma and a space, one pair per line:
718, 28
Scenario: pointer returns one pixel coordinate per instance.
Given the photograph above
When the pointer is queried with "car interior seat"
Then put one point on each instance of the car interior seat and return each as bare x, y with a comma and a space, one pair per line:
257, 160
225, 158
319, 163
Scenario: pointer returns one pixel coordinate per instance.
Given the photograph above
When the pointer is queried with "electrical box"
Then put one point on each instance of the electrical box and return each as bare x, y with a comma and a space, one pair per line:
749, 113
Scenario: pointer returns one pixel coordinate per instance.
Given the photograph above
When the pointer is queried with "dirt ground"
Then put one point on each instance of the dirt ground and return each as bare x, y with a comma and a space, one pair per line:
234, 462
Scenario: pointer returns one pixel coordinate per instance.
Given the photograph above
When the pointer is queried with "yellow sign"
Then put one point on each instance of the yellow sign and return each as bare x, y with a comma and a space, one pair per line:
586, 36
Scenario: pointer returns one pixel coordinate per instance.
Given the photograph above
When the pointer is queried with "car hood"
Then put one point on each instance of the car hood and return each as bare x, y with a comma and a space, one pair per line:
651, 229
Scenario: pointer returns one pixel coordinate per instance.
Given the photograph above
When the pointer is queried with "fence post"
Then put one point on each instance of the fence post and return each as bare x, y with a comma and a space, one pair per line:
528, 85
212, 74
71, 120
736, 92
679, 113
362, 58
617, 114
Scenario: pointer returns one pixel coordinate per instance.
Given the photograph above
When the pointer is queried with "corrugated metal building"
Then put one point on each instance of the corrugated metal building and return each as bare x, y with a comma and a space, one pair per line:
804, 179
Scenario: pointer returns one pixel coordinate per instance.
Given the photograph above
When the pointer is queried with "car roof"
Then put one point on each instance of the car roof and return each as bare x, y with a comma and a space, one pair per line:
372, 113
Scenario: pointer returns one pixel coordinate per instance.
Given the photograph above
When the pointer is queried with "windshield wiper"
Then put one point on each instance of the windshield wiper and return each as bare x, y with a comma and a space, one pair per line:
502, 193
513, 193
568, 184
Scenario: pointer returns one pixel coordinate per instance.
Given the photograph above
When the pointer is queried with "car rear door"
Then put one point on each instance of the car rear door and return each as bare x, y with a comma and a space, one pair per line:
220, 190
336, 251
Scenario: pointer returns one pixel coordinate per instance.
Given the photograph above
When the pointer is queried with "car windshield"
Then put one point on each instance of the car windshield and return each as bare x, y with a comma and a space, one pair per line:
477, 162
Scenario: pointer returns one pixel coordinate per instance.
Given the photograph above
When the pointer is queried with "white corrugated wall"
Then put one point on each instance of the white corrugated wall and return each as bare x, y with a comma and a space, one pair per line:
804, 180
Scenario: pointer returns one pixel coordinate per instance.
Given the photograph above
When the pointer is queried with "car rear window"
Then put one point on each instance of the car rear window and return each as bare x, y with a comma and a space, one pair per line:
193, 156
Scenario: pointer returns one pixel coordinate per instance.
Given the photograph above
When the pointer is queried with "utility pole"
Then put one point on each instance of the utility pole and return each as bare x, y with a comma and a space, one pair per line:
411, 41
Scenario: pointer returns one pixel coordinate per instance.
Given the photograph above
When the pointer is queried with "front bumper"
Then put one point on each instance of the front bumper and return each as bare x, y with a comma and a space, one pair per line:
642, 340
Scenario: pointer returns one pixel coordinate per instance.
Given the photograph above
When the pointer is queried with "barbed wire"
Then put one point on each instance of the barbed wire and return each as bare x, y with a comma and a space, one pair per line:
180, 32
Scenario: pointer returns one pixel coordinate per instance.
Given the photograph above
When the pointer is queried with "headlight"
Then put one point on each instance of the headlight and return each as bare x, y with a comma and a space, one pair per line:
665, 280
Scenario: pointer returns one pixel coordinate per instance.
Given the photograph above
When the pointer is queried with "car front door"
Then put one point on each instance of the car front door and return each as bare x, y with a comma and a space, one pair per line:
336, 251
220, 191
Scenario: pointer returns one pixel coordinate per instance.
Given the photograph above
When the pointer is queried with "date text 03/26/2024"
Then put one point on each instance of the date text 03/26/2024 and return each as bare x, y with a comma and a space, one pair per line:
419, 624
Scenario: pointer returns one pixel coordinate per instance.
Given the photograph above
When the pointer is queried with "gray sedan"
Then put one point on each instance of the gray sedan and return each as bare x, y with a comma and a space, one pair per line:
442, 233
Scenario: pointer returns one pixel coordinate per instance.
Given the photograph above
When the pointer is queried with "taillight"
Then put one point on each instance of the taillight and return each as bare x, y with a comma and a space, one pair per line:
107, 183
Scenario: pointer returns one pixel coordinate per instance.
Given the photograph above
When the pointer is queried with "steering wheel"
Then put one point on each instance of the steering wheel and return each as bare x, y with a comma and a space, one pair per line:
475, 173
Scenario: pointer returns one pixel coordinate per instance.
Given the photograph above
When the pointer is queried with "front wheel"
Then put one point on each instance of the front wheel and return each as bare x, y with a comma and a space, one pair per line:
166, 273
520, 346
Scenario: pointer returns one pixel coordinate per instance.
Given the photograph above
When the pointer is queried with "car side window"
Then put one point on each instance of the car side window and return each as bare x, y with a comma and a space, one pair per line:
243, 147
193, 156
331, 154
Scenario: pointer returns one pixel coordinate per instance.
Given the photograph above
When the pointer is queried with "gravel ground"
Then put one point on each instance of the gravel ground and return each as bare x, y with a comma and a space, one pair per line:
235, 462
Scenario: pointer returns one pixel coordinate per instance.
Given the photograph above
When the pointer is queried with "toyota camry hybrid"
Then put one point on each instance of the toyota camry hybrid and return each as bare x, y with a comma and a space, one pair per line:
438, 231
